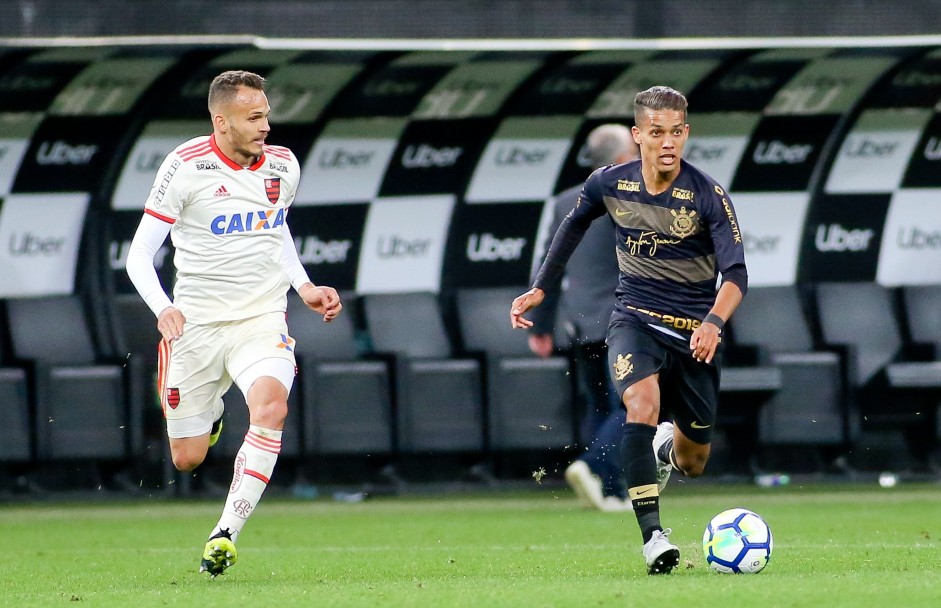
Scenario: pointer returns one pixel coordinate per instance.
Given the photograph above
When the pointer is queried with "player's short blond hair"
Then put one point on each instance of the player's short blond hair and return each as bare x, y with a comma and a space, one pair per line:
225, 86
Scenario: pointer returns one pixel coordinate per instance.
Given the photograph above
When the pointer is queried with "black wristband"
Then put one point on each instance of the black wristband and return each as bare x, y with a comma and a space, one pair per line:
715, 320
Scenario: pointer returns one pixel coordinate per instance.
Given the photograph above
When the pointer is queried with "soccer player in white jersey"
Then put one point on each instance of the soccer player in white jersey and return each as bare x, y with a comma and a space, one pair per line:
223, 200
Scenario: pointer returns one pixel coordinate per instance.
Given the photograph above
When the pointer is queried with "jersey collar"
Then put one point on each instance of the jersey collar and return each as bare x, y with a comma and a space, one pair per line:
231, 163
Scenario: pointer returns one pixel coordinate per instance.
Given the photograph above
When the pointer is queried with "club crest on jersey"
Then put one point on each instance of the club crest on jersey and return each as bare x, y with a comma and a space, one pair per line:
247, 222
273, 189
683, 223
623, 366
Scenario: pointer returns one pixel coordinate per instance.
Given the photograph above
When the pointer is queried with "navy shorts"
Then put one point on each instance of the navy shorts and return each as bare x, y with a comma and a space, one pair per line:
689, 389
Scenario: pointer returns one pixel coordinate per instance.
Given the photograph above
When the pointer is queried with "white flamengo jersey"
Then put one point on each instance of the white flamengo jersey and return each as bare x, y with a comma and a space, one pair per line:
227, 229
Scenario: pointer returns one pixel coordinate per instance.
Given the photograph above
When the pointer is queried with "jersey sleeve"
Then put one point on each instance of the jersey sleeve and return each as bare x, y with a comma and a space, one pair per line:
168, 194
727, 238
589, 207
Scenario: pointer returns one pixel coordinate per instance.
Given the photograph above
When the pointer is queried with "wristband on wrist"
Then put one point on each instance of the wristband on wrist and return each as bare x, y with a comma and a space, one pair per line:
715, 320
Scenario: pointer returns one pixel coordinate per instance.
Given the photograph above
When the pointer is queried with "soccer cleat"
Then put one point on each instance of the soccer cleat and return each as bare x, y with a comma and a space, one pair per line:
664, 434
219, 554
661, 555
586, 484
215, 433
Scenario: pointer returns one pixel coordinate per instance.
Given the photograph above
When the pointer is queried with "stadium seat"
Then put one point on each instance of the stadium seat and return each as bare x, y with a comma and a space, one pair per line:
80, 402
889, 390
439, 401
346, 399
530, 400
15, 443
808, 407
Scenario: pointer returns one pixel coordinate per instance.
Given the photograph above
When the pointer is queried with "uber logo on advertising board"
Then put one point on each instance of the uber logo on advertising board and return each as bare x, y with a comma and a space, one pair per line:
394, 91
911, 245
517, 169
716, 156
772, 228
434, 157
39, 241
328, 239
68, 154
344, 170
924, 168
917, 85
491, 245
782, 153
569, 90
119, 228
747, 86
32, 85
873, 158
842, 237
403, 244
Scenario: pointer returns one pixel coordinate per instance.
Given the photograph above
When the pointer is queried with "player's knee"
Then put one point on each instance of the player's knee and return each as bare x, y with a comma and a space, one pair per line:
270, 414
186, 460
692, 466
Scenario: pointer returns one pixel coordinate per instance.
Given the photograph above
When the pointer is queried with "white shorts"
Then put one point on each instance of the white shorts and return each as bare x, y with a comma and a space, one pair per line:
199, 367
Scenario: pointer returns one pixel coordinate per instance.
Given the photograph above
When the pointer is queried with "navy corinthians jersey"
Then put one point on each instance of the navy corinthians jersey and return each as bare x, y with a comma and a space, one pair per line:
670, 247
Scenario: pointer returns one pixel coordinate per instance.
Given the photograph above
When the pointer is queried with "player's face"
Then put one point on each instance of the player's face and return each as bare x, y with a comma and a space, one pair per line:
661, 136
246, 125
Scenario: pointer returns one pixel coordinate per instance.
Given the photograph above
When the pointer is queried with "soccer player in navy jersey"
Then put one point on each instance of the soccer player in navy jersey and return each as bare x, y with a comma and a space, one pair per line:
676, 232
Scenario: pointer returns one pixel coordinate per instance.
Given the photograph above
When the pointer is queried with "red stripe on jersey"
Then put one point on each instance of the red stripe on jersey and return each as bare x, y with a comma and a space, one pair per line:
256, 475
279, 151
196, 153
257, 165
168, 220
193, 146
263, 443
231, 164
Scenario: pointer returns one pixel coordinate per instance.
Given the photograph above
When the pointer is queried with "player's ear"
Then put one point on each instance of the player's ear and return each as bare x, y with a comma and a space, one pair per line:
219, 121
635, 132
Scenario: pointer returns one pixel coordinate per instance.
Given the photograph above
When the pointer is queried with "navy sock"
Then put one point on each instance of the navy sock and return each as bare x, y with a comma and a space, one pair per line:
640, 474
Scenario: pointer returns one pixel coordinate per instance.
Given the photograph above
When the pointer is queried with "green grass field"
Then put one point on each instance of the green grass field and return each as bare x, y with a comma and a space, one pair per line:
835, 546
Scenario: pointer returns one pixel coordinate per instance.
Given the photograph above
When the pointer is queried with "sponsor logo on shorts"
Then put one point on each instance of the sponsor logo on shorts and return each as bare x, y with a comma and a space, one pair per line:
696, 425
173, 397
623, 366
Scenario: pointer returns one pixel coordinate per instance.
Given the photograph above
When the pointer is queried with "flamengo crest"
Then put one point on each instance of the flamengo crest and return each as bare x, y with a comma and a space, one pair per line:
273, 189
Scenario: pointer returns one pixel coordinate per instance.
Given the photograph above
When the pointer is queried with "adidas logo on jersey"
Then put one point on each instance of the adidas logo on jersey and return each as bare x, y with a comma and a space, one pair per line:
221, 191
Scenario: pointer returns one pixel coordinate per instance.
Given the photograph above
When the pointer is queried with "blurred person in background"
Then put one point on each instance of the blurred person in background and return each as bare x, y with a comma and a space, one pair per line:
223, 199
582, 302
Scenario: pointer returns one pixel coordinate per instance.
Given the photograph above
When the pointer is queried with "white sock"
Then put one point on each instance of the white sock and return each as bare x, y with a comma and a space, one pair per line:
253, 467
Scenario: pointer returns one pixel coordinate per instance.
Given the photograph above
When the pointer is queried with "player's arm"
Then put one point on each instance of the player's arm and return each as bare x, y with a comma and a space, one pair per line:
151, 233
589, 207
730, 259
321, 299
544, 317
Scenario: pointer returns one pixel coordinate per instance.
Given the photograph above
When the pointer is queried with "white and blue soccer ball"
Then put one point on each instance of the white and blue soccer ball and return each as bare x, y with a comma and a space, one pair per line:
737, 541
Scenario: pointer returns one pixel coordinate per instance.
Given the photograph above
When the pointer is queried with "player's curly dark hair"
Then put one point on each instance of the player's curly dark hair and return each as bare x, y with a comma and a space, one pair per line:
226, 85
658, 98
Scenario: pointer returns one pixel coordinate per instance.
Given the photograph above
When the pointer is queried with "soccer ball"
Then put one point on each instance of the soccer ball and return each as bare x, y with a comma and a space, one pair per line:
737, 541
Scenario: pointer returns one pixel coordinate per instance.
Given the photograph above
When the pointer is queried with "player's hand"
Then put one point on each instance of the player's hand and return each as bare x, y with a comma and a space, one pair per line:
322, 300
541, 344
530, 299
705, 341
170, 323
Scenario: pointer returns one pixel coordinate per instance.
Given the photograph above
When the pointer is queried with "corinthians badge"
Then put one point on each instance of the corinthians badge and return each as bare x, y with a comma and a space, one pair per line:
683, 222
623, 366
